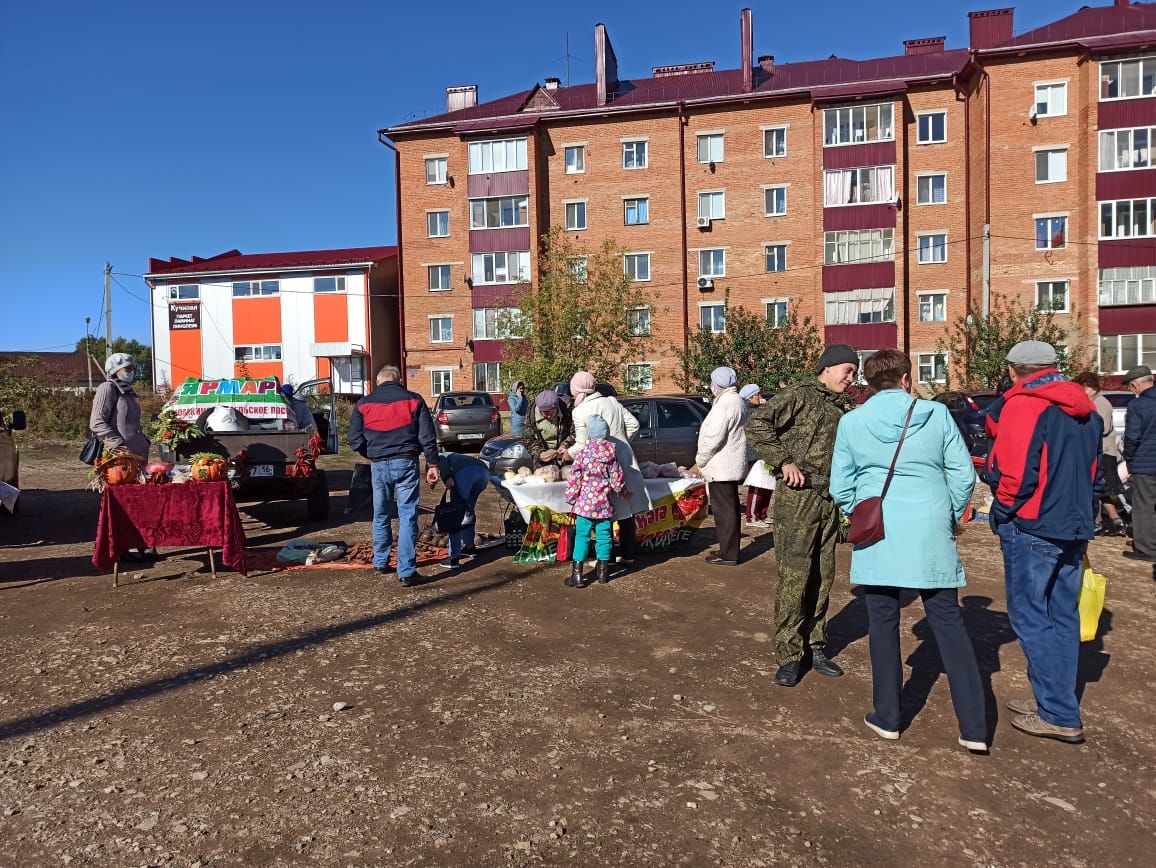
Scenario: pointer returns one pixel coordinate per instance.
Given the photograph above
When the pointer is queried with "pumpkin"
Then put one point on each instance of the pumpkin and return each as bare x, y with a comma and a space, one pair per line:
120, 473
209, 469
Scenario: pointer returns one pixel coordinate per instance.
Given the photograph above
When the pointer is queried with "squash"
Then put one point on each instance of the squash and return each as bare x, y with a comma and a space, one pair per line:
208, 468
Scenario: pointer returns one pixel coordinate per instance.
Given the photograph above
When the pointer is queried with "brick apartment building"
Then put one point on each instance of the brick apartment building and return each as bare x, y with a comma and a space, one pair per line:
881, 198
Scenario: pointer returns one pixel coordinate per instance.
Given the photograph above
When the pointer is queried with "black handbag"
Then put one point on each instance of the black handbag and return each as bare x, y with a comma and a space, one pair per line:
452, 515
92, 451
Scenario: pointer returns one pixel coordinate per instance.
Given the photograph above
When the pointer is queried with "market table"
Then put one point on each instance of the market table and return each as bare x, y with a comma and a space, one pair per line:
186, 514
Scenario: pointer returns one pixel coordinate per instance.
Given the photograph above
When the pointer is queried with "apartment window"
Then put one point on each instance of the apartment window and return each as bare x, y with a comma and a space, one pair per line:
1051, 233
859, 306
493, 323
1052, 295
931, 128
1051, 166
775, 142
639, 377
865, 123
712, 204
249, 288
575, 215
261, 353
1128, 79
488, 377
435, 170
441, 329
777, 313
712, 318
859, 245
578, 269
933, 307
439, 277
932, 248
776, 257
634, 155
1131, 285
637, 266
775, 201
931, 189
1127, 149
185, 291
437, 224
639, 321
501, 267
932, 367
859, 186
1051, 99
501, 212
710, 148
863, 355
637, 211
499, 155
329, 284
1128, 218
575, 159
1119, 353
712, 263
441, 380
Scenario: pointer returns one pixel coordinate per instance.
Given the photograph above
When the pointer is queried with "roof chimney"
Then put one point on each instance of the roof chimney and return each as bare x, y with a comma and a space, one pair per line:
746, 38
552, 83
1123, 2
461, 97
605, 65
932, 45
991, 27
767, 62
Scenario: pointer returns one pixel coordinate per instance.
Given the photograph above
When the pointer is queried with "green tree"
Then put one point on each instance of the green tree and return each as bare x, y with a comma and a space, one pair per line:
576, 316
977, 346
142, 353
759, 352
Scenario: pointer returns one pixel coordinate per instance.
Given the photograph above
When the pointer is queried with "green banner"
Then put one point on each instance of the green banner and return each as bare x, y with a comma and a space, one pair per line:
255, 398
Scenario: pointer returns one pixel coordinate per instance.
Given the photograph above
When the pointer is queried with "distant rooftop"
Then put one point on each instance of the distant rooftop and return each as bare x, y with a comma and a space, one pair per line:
235, 260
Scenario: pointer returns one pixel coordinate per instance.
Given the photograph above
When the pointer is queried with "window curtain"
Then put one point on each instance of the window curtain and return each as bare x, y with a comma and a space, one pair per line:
846, 308
885, 185
837, 187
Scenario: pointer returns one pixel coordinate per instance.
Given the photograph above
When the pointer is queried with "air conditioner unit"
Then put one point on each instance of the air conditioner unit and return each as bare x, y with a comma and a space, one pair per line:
705, 283
704, 223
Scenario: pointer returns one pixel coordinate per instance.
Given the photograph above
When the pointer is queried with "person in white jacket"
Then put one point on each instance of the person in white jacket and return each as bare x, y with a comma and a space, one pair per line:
722, 459
623, 426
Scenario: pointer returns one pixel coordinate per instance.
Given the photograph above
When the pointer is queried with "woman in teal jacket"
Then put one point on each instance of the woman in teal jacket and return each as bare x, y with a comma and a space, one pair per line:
929, 493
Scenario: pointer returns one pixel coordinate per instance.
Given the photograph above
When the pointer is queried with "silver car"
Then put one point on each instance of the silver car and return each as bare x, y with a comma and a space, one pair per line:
466, 419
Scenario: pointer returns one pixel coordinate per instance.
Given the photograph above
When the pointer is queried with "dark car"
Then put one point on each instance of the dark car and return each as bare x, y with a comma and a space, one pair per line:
506, 453
10, 454
466, 418
668, 427
968, 410
1119, 402
562, 390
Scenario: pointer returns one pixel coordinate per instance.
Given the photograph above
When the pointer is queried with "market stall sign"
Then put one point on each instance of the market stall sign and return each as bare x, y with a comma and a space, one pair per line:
184, 315
255, 398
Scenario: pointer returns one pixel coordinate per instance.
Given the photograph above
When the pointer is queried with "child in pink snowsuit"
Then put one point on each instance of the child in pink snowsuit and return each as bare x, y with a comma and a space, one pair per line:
595, 476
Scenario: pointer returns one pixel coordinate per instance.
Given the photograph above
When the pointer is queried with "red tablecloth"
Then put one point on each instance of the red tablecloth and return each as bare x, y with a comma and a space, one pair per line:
189, 514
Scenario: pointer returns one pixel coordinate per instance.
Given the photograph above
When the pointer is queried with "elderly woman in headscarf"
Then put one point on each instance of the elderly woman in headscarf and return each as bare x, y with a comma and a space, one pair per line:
760, 483
722, 458
115, 416
622, 425
549, 430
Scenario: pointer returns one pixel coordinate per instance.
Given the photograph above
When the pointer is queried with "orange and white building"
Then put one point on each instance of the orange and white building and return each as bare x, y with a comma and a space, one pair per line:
295, 316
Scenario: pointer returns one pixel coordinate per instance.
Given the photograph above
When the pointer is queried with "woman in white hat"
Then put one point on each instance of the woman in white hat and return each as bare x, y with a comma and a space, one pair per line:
115, 417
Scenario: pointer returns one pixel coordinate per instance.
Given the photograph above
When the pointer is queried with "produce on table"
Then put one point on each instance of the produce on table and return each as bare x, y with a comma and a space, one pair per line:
548, 473
208, 467
157, 472
117, 467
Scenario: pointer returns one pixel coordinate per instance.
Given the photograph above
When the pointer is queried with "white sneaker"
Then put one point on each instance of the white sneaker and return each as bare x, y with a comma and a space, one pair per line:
889, 734
974, 746
760, 523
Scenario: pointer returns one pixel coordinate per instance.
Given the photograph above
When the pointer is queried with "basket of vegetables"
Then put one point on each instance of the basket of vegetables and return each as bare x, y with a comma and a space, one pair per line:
117, 467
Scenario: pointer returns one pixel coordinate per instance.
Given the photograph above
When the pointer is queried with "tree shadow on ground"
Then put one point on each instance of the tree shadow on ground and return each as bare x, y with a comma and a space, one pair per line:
41, 570
259, 654
54, 517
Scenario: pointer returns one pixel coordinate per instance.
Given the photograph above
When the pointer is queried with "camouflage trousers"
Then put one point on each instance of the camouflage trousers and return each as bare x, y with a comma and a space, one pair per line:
806, 526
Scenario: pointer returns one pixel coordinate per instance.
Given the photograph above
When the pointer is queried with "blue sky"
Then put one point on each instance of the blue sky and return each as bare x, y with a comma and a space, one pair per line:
133, 129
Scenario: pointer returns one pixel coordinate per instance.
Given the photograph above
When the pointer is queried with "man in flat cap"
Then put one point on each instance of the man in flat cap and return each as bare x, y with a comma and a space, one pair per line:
794, 434
1140, 453
1042, 469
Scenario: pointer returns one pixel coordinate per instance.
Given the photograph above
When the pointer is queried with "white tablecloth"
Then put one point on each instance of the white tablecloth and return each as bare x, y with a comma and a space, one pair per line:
553, 494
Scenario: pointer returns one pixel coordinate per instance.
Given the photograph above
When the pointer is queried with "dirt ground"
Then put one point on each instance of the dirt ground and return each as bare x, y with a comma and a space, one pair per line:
495, 717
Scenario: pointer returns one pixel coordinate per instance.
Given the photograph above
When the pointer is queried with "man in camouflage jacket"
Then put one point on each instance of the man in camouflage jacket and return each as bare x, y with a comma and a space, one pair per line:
794, 433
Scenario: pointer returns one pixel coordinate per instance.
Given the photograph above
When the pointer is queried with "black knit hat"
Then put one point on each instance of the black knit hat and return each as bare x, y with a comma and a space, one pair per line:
837, 354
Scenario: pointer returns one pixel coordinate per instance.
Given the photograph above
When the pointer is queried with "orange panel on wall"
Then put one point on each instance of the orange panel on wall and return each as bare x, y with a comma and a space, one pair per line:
263, 369
331, 317
185, 349
257, 321
323, 367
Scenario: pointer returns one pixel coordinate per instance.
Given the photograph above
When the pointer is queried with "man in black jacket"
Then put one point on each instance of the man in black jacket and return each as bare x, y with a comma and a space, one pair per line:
392, 427
1140, 453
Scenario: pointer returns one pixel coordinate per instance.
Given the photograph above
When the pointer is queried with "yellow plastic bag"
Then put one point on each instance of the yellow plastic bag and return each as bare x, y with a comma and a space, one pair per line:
1091, 602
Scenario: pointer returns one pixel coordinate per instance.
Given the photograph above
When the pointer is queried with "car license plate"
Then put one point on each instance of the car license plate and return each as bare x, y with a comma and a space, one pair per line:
471, 436
261, 470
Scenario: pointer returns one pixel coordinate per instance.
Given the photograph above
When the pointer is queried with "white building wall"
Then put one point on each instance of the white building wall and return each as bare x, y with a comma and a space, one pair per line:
356, 287
162, 353
297, 329
217, 355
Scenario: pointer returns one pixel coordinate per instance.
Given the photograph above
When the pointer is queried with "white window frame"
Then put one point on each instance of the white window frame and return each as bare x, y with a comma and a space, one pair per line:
781, 257
1146, 64
930, 178
714, 142
1047, 152
858, 185
437, 162
714, 307
919, 116
497, 377
770, 189
1134, 284
767, 139
1048, 245
930, 248
707, 255
245, 353
442, 338
1047, 99
713, 197
772, 305
1114, 204
1141, 351
447, 384
431, 228
184, 291
886, 132
928, 301
1108, 147
632, 145
638, 257
1067, 285
489, 319
520, 206
929, 360
636, 318
486, 151
859, 306
579, 268
577, 166
639, 377
574, 208
449, 274
338, 283
265, 288
637, 202
856, 238
513, 274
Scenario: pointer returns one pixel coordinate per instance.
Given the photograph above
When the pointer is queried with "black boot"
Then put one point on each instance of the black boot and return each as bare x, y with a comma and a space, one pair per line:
574, 580
602, 572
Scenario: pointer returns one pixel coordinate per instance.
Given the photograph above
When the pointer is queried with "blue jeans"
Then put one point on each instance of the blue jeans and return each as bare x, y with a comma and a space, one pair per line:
395, 480
1043, 578
603, 537
469, 483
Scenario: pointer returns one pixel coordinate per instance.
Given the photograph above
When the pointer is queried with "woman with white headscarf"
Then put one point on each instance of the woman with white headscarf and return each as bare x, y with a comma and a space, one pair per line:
722, 459
623, 426
115, 416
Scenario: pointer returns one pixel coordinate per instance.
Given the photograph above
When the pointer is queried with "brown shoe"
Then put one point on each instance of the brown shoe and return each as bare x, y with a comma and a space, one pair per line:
1022, 706
1033, 724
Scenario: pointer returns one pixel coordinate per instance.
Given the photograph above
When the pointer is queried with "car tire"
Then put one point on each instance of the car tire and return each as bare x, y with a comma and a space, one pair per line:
317, 501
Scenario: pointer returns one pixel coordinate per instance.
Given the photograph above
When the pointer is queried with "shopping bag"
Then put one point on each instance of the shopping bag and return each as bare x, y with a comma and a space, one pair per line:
451, 515
1091, 601
565, 543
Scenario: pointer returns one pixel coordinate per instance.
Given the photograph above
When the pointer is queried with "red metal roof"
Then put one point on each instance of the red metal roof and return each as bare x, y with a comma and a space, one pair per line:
61, 370
235, 260
1087, 23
